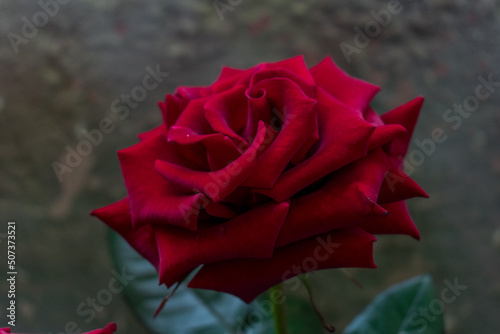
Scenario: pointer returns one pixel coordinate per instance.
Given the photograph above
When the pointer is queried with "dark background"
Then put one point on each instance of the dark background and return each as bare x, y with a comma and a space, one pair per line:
65, 77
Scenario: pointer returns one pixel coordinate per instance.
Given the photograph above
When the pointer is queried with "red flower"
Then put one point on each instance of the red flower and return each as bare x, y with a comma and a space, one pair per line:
267, 173
109, 329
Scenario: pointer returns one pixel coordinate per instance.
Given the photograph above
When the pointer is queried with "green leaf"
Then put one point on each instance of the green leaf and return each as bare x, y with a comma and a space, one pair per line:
399, 310
188, 311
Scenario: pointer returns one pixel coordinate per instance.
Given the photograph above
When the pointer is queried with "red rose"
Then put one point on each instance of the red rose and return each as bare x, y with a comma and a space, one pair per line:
109, 329
268, 173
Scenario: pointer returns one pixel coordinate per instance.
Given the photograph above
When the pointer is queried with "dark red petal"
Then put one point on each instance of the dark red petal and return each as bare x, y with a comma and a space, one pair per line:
213, 149
347, 198
191, 126
142, 239
405, 115
231, 77
344, 137
152, 199
303, 151
170, 110
250, 235
229, 72
226, 112
384, 134
295, 65
221, 210
298, 115
221, 151
193, 93
159, 130
398, 221
216, 184
306, 85
240, 197
398, 186
247, 278
372, 117
259, 109
353, 92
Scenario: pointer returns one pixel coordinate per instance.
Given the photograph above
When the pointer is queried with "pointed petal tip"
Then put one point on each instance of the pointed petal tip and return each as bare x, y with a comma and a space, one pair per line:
416, 103
406, 114
378, 210
371, 207
399, 186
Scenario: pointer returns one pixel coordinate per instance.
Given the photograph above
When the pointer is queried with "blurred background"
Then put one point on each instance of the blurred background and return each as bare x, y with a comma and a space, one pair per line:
64, 63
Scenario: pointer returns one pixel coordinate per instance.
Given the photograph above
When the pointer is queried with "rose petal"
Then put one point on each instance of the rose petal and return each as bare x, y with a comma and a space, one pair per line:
191, 126
142, 239
372, 117
295, 65
226, 112
170, 110
229, 72
405, 115
259, 109
152, 199
398, 221
384, 134
221, 151
216, 184
398, 186
353, 92
159, 130
231, 77
193, 93
247, 278
306, 86
344, 137
250, 235
241, 197
221, 210
299, 123
346, 199
303, 151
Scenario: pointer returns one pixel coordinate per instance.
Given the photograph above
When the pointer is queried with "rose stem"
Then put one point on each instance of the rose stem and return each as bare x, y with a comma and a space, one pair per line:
327, 327
279, 311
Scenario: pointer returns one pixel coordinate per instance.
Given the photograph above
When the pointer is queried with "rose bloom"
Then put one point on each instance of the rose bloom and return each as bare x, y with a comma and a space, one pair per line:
109, 329
267, 173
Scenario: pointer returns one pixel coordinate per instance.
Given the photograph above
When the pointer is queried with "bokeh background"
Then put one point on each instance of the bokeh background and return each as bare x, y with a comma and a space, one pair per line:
64, 77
